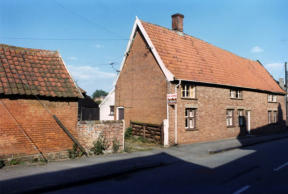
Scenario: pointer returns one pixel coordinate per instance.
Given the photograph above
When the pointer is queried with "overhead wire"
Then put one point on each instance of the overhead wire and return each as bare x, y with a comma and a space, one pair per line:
63, 39
102, 27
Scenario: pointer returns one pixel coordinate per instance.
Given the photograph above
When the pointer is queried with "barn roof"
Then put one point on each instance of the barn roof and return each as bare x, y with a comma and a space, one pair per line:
25, 71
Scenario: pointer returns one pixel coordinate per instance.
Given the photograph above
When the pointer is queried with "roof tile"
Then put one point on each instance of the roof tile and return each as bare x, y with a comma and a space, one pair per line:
189, 58
24, 71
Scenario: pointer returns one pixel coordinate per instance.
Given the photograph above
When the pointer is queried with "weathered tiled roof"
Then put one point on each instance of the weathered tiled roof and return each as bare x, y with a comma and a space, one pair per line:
38, 72
189, 58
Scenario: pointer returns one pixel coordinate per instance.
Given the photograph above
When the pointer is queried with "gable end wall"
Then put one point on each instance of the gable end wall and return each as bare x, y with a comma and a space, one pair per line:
141, 87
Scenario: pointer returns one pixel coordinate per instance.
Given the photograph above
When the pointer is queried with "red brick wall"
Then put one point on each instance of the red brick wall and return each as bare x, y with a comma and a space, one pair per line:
38, 124
89, 131
141, 88
211, 104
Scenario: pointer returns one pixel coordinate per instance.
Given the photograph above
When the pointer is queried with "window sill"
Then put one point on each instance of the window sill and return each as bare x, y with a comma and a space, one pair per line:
232, 126
185, 98
188, 129
236, 98
272, 102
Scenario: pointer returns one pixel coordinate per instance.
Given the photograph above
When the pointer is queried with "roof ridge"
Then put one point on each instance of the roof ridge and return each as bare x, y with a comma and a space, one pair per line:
198, 39
30, 49
180, 55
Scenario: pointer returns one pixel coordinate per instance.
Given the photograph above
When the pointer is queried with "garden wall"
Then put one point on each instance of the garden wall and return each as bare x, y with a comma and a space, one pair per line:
89, 132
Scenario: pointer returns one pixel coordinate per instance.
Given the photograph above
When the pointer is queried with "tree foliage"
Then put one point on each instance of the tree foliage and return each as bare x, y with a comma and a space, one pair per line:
99, 93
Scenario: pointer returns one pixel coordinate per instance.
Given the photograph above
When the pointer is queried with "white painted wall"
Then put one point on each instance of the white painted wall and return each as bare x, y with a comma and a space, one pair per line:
108, 101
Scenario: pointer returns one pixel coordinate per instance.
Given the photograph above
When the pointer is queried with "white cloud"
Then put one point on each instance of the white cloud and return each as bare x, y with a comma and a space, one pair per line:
256, 49
72, 58
98, 46
91, 78
274, 65
88, 72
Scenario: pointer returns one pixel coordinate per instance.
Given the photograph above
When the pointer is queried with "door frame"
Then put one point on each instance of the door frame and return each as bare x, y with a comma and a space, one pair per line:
248, 115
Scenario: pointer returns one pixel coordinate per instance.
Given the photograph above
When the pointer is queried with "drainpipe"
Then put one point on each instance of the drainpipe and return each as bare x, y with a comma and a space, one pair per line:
176, 124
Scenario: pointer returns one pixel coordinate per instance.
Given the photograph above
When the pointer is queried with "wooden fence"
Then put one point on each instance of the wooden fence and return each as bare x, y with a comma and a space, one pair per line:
150, 131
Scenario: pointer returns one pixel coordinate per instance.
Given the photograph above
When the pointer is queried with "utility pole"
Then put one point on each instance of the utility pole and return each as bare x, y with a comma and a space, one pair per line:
286, 88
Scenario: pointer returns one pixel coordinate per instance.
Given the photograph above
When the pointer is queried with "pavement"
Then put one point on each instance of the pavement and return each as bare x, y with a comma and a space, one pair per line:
62, 174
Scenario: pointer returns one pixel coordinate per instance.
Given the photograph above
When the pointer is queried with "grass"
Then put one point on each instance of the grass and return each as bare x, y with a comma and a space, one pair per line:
138, 143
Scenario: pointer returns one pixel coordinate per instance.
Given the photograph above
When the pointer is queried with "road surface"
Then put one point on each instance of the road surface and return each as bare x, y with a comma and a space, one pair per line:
262, 168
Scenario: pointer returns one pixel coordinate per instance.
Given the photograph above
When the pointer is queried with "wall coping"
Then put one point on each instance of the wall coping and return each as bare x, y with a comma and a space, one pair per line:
100, 122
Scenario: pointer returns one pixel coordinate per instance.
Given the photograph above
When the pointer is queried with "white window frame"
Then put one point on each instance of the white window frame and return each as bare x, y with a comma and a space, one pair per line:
236, 94
270, 117
190, 118
230, 118
117, 115
188, 91
275, 115
272, 98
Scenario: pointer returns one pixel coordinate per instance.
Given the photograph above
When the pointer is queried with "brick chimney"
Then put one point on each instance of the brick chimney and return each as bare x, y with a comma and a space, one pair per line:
177, 22
281, 83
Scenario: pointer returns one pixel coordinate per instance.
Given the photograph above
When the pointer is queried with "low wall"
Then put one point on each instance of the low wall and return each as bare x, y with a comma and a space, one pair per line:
89, 131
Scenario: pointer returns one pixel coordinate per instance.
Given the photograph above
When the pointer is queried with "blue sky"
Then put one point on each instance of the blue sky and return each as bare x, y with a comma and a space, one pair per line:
91, 34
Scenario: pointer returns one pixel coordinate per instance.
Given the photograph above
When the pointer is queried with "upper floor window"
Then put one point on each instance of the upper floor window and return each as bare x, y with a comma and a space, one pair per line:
188, 91
237, 94
272, 98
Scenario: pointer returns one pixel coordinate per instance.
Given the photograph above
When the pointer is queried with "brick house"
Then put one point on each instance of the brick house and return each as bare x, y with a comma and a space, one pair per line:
35, 85
199, 91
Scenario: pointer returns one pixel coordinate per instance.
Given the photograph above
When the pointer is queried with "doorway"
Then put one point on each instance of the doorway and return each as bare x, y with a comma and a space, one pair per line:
120, 115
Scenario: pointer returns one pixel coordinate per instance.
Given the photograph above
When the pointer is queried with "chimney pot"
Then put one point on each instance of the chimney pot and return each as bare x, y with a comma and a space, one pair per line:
177, 22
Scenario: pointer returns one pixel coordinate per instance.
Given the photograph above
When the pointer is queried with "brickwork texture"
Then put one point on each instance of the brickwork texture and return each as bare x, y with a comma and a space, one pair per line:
141, 88
89, 132
25, 124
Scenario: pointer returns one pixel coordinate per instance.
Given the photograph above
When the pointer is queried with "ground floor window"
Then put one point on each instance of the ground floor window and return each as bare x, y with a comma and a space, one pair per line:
190, 118
269, 117
275, 115
229, 117
241, 118
111, 110
272, 116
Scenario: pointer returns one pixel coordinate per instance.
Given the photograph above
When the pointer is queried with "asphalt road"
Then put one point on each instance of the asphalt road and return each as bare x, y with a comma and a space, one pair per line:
262, 168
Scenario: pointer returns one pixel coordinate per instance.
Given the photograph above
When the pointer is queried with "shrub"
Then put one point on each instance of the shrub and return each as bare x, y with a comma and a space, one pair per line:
128, 132
75, 152
14, 161
115, 145
100, 145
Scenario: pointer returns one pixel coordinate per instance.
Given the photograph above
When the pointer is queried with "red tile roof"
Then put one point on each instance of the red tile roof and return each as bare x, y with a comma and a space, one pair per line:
189, 58
38, 72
